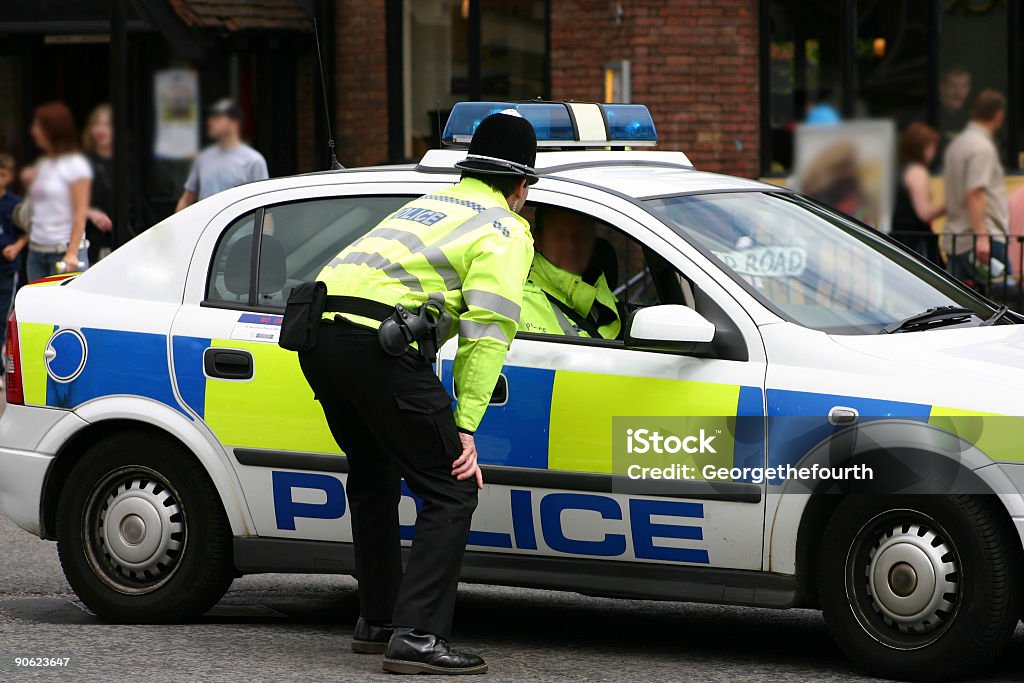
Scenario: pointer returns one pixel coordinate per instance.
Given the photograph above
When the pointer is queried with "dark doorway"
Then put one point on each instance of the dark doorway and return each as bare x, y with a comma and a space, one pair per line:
77, 74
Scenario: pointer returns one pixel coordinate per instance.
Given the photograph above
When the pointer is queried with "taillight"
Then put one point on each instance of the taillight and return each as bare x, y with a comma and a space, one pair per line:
12, 363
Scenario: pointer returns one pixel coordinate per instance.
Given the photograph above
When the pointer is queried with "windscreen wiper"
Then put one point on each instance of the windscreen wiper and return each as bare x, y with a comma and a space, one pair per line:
933, 317
994, 318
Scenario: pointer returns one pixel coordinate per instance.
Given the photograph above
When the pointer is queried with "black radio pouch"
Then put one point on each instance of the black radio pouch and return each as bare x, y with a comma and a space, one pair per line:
302, 316
428, 327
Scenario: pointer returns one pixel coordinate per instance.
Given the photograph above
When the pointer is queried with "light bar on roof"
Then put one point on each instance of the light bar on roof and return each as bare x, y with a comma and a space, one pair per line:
561, 124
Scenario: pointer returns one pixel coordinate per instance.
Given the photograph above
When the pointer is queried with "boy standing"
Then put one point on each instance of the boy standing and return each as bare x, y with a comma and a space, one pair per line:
12, 241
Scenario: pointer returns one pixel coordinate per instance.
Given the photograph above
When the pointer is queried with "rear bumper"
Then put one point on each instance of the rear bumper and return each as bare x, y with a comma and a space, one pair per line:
22, 474
29, 440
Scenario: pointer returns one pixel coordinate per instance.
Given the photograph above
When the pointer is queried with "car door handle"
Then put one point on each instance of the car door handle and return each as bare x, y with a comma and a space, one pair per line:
499, 396
228, 364
841, 416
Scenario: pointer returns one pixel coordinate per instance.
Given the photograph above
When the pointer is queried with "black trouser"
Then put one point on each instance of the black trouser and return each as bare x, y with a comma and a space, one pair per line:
393, 419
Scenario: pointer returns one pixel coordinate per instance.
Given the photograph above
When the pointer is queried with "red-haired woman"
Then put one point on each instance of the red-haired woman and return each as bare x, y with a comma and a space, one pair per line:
60, 195
914, 211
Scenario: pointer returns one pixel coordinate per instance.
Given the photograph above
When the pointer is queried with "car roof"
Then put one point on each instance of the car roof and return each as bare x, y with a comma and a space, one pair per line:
636, 174
644, 182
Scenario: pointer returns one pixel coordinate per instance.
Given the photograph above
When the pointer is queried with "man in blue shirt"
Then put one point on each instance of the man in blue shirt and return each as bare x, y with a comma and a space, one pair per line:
228, 162
12, 241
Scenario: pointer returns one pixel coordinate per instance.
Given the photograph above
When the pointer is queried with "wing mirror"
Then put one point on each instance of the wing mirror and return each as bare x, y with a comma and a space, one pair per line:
668, 327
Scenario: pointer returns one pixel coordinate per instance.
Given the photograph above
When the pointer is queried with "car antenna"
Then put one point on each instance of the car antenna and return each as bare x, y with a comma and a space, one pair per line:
335, 164
440, 135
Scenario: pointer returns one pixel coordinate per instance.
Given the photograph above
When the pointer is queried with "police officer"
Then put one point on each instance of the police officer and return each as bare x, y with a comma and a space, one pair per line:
468, 251
566, 293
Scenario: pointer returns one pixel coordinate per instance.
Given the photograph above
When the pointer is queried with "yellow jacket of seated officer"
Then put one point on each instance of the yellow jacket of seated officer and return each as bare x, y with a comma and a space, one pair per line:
589, 300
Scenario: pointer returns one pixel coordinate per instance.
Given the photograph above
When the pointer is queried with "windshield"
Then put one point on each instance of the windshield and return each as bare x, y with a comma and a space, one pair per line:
812, 267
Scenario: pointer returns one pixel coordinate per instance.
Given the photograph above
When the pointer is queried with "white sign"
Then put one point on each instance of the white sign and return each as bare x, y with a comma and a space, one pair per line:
849, 166
176, 93
257, 327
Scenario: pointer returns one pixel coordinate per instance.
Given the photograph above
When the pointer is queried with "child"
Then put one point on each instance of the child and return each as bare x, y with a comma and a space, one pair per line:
12, 241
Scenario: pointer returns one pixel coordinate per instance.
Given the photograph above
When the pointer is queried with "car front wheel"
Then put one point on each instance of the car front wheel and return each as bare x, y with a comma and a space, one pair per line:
922, 587
142, 536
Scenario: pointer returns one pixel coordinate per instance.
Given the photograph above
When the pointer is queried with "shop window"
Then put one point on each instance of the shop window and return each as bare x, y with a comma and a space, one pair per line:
513, 49
457, 50
892, 60
805, 51
902, 60
973, 57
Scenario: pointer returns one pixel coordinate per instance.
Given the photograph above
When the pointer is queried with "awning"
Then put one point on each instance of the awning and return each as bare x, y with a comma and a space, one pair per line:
243, 15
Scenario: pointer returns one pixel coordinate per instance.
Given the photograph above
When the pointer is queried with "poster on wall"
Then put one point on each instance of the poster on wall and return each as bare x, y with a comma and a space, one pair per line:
848, 166
176, 93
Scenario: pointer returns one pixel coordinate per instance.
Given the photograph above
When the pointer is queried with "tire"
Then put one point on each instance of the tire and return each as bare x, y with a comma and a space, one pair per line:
141, 532
885, 611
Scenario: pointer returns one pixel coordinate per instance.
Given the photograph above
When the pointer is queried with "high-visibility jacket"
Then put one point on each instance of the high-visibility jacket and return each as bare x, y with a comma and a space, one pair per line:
590, 300
462, 246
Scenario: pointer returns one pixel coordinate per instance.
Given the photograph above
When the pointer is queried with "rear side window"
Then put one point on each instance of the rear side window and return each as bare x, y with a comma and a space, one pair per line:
231, 271
296, 240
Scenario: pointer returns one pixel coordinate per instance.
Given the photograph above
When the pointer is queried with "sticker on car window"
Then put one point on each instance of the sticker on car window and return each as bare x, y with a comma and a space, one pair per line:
257, 327
765, 261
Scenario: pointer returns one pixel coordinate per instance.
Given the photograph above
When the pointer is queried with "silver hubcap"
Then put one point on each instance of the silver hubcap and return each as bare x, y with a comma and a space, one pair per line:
137, 531
912, 578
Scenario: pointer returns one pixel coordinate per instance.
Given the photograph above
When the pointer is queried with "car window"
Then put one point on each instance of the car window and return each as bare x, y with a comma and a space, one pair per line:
812, 266
300, 238
297, 240
636, 276
231, 269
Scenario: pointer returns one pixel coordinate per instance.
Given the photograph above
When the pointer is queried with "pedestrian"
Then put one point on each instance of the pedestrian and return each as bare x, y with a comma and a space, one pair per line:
914, 211
60, 195
228, 162
954, 94
459, 256
98, 143
12, 241
978, 220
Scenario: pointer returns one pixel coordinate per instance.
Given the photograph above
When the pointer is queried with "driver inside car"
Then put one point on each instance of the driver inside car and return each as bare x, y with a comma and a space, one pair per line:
567, 292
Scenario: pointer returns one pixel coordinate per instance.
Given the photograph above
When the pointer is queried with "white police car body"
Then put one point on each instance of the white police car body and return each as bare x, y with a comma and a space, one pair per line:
156, 430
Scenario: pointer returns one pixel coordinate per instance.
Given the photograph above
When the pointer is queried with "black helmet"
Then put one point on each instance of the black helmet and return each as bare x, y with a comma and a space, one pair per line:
503, 144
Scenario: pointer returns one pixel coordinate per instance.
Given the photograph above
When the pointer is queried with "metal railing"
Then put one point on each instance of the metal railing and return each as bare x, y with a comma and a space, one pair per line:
999, 280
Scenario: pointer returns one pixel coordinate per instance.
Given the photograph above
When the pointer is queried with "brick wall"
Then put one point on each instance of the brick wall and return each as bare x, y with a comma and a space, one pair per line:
361, 125
693, 62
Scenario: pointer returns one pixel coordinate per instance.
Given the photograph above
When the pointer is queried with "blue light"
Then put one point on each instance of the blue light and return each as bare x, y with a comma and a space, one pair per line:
629, 122
559, 124
550, 120
464, 119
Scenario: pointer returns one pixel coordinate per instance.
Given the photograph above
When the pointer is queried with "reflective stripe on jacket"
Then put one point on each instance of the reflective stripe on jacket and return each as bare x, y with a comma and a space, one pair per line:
542, 316
461, 246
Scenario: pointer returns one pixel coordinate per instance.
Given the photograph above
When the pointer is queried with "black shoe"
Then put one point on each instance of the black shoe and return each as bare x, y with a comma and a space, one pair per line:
415, 652
370, 639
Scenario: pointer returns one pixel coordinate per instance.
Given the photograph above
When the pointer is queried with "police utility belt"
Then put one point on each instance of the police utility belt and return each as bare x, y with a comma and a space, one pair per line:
399, 327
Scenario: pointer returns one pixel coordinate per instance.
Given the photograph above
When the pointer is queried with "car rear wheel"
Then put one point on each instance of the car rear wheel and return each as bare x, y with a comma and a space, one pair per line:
920, 587
142, 536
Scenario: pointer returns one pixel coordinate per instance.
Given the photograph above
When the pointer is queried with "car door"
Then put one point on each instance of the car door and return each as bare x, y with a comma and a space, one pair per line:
552, 441
249, 392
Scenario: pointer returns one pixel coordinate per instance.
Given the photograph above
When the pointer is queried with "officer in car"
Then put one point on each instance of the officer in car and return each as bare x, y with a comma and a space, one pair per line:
566, 292
458, 255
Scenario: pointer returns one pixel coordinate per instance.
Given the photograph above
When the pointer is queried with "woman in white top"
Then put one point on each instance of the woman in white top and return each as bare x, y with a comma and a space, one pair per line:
59, 194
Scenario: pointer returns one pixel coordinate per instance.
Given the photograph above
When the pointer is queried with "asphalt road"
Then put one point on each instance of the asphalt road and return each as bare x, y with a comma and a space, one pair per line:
297, 628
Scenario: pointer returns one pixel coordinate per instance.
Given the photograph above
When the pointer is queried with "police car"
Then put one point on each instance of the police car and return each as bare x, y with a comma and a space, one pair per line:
839, 416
